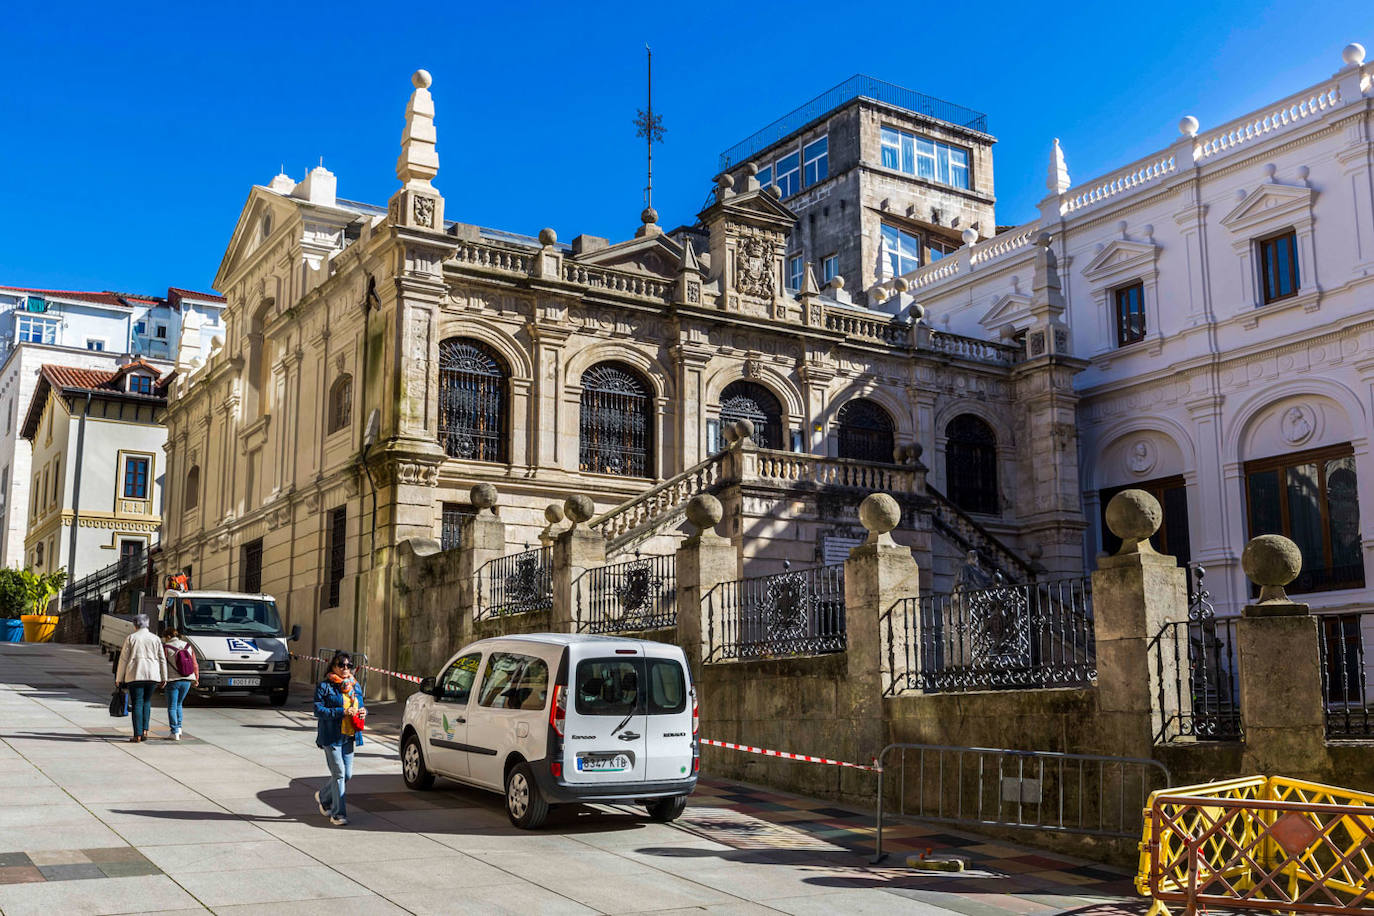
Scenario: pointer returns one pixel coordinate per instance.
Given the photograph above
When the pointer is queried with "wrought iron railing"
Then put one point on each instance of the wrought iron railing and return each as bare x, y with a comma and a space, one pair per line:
997, 638
517, 584
640, 594
791, 613
1344, 639
100, 584
1195, 664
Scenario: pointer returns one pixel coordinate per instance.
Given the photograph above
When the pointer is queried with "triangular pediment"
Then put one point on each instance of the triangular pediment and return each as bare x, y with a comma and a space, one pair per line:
1120, 255
247, 237
1010, 308
656, 254
758, 206
1269, 203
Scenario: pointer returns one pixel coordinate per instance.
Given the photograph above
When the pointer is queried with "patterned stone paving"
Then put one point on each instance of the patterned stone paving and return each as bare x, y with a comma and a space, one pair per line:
69, 865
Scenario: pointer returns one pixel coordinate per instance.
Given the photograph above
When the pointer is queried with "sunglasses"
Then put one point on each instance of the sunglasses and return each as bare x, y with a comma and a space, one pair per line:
344, 665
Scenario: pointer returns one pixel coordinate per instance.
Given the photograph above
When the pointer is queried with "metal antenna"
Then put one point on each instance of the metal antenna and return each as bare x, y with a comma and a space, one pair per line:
651, 129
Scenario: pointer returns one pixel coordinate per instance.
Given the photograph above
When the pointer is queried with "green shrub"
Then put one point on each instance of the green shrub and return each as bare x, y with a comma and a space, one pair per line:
15, 598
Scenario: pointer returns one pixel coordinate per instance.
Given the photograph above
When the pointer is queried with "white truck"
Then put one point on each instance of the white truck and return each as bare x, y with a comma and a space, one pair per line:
238, 640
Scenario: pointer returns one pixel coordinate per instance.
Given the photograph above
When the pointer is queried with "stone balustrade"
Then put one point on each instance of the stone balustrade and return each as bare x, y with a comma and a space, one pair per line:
657, 504
785, 469
490, 257
1129, 178
618, 281
877, 328
1258, 125
983, 351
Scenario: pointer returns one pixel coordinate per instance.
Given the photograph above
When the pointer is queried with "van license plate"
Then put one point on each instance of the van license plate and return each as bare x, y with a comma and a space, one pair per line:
603, 763
245, 681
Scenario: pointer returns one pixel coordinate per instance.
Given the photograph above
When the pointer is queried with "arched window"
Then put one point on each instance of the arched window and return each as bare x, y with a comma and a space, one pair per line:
750, 401
472, 401
192, 488
865, 431
617, 435
971, 464
340, 403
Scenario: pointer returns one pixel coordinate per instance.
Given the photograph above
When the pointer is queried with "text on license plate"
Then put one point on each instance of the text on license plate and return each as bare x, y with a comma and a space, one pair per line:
244, 681
603, 763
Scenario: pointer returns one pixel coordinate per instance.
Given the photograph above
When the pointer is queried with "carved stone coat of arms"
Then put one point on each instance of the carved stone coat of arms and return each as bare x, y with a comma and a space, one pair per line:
754, 269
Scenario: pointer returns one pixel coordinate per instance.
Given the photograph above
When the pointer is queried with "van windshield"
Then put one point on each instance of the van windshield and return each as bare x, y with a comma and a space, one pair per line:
229, 617
621, 686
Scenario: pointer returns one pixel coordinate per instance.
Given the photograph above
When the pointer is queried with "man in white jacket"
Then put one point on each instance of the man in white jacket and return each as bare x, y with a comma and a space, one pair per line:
142, 669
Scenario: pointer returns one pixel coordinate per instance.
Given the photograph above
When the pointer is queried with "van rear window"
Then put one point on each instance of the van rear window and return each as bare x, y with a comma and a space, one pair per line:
617, 687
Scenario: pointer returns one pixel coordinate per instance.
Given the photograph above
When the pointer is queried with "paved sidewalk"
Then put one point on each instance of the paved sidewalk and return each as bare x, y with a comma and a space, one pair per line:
224, 821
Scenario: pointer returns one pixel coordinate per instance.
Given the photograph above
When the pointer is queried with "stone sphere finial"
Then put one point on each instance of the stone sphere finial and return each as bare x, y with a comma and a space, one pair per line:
900, 285
1187, 126
704, 511
775, 191
1353, 54
969, 235
1133, 516
837, 282
421, 79
751, 169
553, 513
648, 216
879, 513
1271, 561
483, 496
548, 237
744, 428
579, 508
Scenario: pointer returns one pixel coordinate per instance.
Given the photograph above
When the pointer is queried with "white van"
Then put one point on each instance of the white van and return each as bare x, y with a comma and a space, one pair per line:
557, 718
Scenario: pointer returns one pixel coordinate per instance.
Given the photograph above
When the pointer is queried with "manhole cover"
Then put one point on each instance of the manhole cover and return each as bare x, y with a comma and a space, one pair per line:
1294, 832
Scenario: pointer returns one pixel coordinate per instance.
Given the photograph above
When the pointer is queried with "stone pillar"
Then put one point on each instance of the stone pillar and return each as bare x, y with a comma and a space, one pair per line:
877, 576
704, 560
483, 538
574, 552
1135, 593
1280, 679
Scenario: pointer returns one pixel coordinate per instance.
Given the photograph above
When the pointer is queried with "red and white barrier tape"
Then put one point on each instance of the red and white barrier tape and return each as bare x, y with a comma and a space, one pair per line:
405, 677
806, 758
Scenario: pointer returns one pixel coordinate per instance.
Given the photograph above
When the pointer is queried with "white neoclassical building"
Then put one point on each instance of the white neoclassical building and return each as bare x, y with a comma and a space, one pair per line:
1221, 294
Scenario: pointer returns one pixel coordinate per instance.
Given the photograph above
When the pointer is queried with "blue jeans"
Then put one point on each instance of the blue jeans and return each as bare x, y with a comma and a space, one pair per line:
141, 705
340, 761
176, 696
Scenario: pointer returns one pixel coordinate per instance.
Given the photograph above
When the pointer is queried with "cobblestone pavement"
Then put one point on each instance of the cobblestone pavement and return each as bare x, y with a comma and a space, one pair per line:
224, 821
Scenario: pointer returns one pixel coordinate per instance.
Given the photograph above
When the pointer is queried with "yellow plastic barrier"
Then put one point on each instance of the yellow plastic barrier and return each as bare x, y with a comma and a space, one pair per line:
1257, 843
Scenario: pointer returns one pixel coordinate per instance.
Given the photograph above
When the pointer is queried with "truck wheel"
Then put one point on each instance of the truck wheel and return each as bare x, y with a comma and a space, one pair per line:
413, 769
524, 805
279, 699
664, 810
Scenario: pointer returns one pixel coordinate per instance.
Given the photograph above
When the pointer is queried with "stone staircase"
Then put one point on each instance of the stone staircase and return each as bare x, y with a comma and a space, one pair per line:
952, 522
637, 520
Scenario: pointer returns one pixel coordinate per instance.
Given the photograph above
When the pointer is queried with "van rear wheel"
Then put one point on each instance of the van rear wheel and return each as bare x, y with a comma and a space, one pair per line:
664, 810
525, 805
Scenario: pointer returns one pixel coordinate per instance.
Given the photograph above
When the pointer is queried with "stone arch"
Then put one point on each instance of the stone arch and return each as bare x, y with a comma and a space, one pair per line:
654, 372
1174, 452
617, 421
1337, 415
783, 388
897, 408
517, 358
474, 400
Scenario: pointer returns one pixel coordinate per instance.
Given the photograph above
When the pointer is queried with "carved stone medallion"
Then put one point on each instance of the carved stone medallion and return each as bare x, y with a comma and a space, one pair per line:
1298, 423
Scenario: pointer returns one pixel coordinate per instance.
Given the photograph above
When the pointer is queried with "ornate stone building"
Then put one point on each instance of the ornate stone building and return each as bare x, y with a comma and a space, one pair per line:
379, 362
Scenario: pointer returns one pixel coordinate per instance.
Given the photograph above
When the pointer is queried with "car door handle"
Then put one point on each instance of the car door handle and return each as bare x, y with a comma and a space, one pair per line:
461, 720
629, 736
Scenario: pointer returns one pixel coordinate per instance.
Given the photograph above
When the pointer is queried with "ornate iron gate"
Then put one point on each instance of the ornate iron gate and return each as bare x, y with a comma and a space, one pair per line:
472, 401
617, 429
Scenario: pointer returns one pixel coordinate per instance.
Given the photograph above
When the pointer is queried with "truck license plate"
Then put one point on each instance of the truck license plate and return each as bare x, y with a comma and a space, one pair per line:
245, 681
603, 763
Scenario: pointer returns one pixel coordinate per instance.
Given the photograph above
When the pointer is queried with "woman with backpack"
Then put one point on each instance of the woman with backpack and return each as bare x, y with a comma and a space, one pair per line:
183, 673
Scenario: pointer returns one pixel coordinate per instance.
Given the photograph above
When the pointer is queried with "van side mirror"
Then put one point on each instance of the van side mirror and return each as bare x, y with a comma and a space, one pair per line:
295, 633
430, 686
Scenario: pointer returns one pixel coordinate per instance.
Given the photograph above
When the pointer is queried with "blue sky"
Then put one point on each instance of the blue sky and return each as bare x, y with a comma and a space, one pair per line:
134, 131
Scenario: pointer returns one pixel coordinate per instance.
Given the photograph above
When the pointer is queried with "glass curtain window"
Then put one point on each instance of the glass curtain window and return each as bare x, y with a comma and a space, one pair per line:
1130, 314
971, 465
616, 422
1311, 498
472, 401
136, 478
796, 269
865, 431
1279, 264
924, 157
751, 401
816, 161
788, 170
901, 250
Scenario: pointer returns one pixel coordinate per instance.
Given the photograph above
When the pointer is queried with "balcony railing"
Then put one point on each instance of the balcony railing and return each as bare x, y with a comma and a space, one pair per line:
788, 614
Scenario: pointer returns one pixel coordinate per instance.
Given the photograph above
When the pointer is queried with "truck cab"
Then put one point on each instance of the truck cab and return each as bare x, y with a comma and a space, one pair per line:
238, 640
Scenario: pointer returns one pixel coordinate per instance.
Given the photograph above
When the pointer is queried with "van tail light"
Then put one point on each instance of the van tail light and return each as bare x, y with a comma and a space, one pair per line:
556, 769
696, 719
558, 710
696, 764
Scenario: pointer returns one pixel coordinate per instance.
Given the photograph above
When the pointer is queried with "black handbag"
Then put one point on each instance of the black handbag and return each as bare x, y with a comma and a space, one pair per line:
119, 703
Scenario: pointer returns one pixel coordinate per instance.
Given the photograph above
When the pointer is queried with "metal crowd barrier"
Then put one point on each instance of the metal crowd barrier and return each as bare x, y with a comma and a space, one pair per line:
1270, 844
319, 665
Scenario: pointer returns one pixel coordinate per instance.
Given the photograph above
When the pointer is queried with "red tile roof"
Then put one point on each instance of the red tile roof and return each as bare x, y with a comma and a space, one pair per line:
176, 292
113, 297
106, 298
69, 378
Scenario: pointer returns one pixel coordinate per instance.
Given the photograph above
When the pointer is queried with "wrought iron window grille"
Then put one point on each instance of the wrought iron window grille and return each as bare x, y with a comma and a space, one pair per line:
616, 422
865, 432
743, 400
787, 614
472, 401
1344, 655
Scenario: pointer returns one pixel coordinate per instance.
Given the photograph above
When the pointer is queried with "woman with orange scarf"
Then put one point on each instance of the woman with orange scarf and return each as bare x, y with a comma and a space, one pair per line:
339, 707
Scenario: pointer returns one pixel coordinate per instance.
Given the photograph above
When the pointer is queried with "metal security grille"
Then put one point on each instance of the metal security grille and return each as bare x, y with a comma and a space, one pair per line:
865, 431
338, 531
451, 532
516, 584
755, 403
627, 597
472, 401
1345, 689
616, 424
791, 613
252, 566
971, 464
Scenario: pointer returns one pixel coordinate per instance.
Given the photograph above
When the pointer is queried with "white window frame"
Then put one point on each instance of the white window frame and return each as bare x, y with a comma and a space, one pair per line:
820, 160
789, 181
765, 176
925, 157
903, 261
26, 324
830, 268
796, 272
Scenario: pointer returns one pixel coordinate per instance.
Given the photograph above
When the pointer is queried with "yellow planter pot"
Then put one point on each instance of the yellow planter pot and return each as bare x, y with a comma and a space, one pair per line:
39, 627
